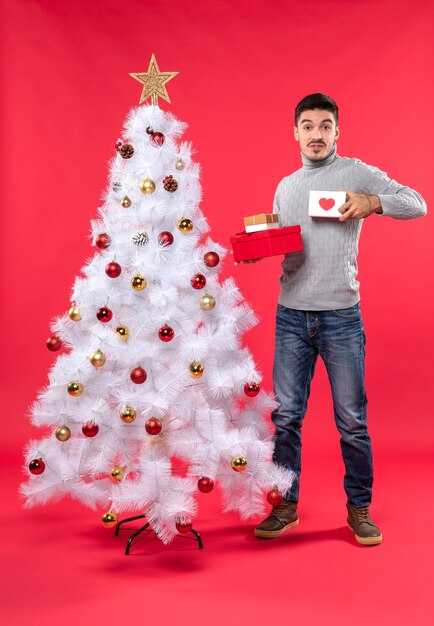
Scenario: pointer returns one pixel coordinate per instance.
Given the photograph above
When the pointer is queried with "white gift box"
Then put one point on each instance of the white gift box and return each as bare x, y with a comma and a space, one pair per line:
326, 203
262, 221
255, 228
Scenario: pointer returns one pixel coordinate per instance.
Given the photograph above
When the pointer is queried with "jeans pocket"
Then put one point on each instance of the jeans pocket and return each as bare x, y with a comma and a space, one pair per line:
352, 312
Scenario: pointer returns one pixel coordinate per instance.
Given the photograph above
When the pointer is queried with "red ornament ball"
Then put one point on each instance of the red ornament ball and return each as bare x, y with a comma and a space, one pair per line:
103, 241
138, 375
165, 238
54, 343
113, 270
198, 281
153, 426
157, 139
166, 333
104, 314
274, 497
90, 429
205, 485
37, 466
251, 389
184, 525
211, 259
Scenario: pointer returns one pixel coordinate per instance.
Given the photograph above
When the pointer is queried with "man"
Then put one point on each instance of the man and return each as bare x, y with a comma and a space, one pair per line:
318, 311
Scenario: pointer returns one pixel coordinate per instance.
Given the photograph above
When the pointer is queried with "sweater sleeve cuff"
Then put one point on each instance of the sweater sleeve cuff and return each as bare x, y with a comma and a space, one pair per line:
403, 207
389, 205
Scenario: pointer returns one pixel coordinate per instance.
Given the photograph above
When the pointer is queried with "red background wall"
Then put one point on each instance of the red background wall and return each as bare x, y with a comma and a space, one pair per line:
243, 66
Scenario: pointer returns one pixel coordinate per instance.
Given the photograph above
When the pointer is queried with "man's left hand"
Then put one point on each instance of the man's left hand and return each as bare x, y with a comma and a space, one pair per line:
359, 206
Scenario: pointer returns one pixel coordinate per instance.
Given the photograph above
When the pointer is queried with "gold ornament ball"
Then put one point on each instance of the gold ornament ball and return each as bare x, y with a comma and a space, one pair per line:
180, 164
128, 414
196, 369
126, 202
97, 358
75, 388
138, 283
185, 225
147, 186
74, 313
122, 332
63, 433
239, 463
117, 474
207, 302
109, 519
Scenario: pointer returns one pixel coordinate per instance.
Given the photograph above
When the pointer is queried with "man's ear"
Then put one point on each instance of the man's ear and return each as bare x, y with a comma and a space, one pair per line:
295, 133
337, 133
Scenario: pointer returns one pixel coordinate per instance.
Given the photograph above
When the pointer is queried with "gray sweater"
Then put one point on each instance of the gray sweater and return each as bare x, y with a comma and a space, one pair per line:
324, 276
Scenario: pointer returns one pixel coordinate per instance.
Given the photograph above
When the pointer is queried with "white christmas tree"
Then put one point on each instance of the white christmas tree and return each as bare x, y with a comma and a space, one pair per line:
155, 397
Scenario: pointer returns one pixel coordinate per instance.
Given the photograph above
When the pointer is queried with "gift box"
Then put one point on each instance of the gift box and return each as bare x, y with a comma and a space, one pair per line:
263, 221
326, 203
248, 246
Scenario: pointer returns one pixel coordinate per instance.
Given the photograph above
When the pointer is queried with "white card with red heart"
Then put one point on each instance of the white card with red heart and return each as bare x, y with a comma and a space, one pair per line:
326, 203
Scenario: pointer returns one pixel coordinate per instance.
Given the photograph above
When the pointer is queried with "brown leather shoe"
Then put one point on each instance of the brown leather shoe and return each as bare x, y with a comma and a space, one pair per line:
282, 517
365, 531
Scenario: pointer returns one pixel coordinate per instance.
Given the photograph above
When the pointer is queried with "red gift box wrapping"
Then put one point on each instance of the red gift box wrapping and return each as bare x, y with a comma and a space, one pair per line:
248, 246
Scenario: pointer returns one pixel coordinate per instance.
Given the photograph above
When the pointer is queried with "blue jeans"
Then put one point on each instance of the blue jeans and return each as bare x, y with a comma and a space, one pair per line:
339, 338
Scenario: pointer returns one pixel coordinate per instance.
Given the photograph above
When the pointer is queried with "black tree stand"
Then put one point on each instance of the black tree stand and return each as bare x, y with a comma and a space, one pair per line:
145, 527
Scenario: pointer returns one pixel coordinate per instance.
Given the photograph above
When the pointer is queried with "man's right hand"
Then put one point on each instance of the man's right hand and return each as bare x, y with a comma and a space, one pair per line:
253, 260
249, 261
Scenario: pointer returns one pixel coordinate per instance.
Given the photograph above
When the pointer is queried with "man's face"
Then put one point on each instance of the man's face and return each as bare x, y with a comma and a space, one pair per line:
316, 131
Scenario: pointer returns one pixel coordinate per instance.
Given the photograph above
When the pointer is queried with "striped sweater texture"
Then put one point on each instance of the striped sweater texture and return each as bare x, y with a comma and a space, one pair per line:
324, 275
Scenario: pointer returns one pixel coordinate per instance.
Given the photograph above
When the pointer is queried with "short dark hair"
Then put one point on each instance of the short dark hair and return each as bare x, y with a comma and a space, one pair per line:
316, 101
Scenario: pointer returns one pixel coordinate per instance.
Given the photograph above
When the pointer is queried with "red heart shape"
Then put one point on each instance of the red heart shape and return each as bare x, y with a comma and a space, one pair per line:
326, 203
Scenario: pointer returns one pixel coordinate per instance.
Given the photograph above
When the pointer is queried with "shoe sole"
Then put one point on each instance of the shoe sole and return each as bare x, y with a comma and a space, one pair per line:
367, 541
271, 534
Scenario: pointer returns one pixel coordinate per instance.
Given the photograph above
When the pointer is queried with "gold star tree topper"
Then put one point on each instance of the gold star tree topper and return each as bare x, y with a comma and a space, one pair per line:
154, 82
